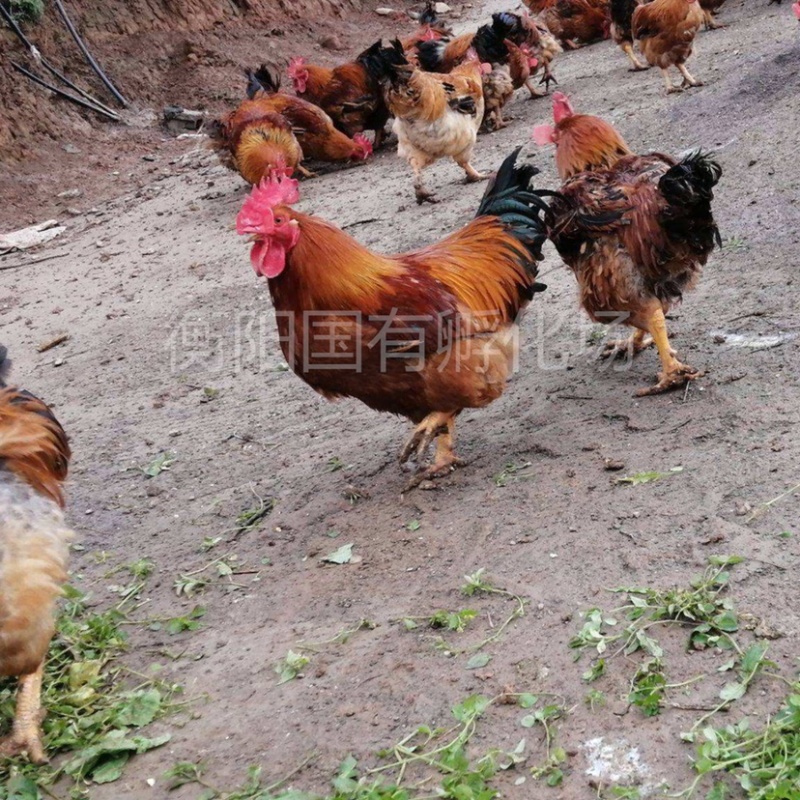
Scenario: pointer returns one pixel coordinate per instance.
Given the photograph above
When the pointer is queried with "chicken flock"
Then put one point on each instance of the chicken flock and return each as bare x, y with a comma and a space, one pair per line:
635, 229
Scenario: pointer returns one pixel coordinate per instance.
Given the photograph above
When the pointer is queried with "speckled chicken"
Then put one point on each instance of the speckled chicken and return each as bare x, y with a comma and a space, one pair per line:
34, 546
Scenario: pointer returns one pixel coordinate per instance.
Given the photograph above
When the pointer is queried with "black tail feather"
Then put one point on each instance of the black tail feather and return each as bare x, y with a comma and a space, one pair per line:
430, 55
688, 188
510, 198
262, 80
5, 366
383, 62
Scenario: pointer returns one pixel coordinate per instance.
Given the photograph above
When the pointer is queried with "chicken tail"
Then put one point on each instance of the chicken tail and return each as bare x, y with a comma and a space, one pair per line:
262, 80
33, 445
388, 64
5, 365
489, 46
688, 188
431, 55
511, 198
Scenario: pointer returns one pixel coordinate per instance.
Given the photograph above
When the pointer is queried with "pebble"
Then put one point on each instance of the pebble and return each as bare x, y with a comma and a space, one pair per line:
69, 194
442, 8
384, 12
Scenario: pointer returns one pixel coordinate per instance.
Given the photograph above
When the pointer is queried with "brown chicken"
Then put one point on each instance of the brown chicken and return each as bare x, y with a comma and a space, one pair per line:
635, 230
436, 116
254, 140
621, 32
665, 30
423, 335
349, 93
313, 128
34, 549
573, 21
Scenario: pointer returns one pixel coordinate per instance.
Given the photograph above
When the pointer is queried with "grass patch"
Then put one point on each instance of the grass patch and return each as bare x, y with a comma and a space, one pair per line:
94, 712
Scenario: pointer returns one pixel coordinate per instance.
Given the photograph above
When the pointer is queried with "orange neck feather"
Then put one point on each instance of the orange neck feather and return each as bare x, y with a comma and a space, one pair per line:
327, 270
584, 142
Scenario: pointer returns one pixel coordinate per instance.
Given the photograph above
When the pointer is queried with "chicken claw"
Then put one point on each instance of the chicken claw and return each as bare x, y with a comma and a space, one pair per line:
424, 196
438, 426
630, 347
678, 376
26, 735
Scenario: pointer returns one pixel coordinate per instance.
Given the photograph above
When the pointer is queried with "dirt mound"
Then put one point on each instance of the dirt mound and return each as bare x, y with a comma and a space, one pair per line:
143, 44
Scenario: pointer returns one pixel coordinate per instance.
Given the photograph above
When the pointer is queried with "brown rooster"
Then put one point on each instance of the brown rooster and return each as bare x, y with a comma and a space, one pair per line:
349, 93
665, 30
635, 230
34, 549
425, 334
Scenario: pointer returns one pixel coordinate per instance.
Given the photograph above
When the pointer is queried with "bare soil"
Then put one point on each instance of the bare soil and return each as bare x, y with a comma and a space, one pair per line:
156, 293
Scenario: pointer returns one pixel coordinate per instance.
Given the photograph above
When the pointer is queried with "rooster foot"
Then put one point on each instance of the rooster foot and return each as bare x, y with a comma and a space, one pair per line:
423, 435
678, 376
474, 177
675, 90
27, 741
688, 85
442, 466
625, 348
640, 68
424, 196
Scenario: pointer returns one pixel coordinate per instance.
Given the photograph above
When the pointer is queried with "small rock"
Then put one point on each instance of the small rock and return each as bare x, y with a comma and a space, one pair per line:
70, 194
71, 149
613, 465
331, 42
442, 8
384, 12
743, 509
74, 212
148, 158
59, 362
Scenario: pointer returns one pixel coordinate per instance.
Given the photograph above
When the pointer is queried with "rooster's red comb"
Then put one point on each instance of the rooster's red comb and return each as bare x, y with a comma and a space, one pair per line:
296, 63
257, 209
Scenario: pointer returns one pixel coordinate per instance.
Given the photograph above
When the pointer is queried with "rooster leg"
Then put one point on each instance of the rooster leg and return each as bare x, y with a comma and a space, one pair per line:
306, 173
380, 135
688, 80
668, 82
445, 460
711, 23
26, 735
472, 174
637, 65
630, 347
674, 373
534, 92
422, 194
420, 440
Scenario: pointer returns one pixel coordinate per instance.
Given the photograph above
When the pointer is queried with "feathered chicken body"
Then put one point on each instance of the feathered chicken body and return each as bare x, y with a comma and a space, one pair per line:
665, 30
573, 21
314, 130
34, 542
350, 93
621, 31
436, 116
424, 334
636, 231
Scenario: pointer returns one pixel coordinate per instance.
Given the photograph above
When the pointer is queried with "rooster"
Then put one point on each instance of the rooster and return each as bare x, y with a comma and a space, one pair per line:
665, 30
34, 548
635, 230
315, 132
621, 33
349, 93
423, 335
431, 28
435, 115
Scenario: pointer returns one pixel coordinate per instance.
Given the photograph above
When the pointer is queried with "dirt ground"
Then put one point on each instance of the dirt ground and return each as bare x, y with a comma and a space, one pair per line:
156, 293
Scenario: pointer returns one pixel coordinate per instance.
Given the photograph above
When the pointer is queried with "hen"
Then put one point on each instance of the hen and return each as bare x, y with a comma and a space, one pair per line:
34, 548
423, 335
435, 115
710, 7
665, 30
635, 230
621, 31
315, 132
254, 140
577, 20
349, 93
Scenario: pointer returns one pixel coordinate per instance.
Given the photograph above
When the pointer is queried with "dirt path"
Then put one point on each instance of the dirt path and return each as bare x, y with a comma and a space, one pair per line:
161, 306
